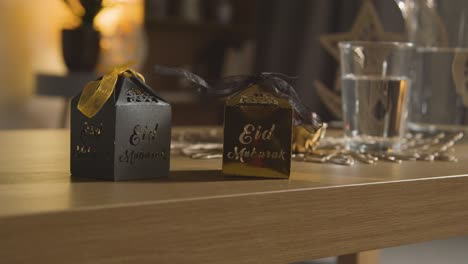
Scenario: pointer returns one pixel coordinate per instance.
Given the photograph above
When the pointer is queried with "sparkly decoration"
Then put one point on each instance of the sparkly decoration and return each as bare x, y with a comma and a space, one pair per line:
304, 141
331, 150
134, 95
415, 147
366, 27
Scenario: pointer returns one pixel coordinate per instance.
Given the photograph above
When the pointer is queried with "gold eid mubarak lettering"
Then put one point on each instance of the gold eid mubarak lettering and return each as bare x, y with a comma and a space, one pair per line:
251, 133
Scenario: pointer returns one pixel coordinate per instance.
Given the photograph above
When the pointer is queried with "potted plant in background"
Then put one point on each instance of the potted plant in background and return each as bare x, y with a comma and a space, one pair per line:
80, 45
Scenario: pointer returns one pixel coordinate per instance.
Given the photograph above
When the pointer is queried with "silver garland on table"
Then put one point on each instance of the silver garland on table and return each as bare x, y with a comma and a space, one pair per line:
415, 147
198, 145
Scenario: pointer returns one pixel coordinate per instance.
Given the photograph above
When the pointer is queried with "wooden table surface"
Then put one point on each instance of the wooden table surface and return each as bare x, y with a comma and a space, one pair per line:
199, 216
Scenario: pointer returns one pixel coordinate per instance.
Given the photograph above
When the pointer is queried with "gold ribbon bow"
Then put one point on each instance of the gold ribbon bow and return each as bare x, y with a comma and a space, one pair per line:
96, 93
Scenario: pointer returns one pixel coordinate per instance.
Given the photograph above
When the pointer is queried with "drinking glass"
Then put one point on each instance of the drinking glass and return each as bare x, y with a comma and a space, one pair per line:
376, 79
439, 94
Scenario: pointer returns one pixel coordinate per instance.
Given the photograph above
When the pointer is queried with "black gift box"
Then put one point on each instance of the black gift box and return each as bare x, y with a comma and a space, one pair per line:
257, 134
129, 138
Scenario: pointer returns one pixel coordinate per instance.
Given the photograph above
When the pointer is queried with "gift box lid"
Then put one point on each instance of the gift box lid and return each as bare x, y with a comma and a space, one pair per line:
257, 94
130, 91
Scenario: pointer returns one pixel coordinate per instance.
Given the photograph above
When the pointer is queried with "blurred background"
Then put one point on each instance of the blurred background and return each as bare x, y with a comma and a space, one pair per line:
48, 49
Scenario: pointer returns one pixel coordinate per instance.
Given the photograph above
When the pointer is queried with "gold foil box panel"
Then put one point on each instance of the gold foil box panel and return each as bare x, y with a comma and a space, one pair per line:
257, 141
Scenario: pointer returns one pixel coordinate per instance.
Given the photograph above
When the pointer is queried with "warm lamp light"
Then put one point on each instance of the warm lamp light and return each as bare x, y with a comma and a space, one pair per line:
121, 26
34, 40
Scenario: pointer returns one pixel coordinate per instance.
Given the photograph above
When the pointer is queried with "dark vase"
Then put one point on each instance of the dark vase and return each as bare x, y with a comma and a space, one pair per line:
80, 48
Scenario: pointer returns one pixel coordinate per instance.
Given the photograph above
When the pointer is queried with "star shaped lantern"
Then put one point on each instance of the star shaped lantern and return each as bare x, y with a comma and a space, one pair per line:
366, 27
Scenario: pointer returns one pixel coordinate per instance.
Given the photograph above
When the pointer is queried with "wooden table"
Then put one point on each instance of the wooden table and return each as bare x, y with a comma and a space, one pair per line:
199, 216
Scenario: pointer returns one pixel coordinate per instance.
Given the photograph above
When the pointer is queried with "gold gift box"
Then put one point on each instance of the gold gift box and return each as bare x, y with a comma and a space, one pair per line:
257, 134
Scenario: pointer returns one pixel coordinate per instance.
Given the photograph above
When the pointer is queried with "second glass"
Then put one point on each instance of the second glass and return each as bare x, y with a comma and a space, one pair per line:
376, 78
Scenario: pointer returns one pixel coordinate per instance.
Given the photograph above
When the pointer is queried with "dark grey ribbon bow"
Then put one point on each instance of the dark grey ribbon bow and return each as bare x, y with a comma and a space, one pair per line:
276, 82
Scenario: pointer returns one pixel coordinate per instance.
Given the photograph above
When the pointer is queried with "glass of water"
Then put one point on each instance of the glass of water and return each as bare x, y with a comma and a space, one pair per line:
376, 79
439, 92
439, 96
